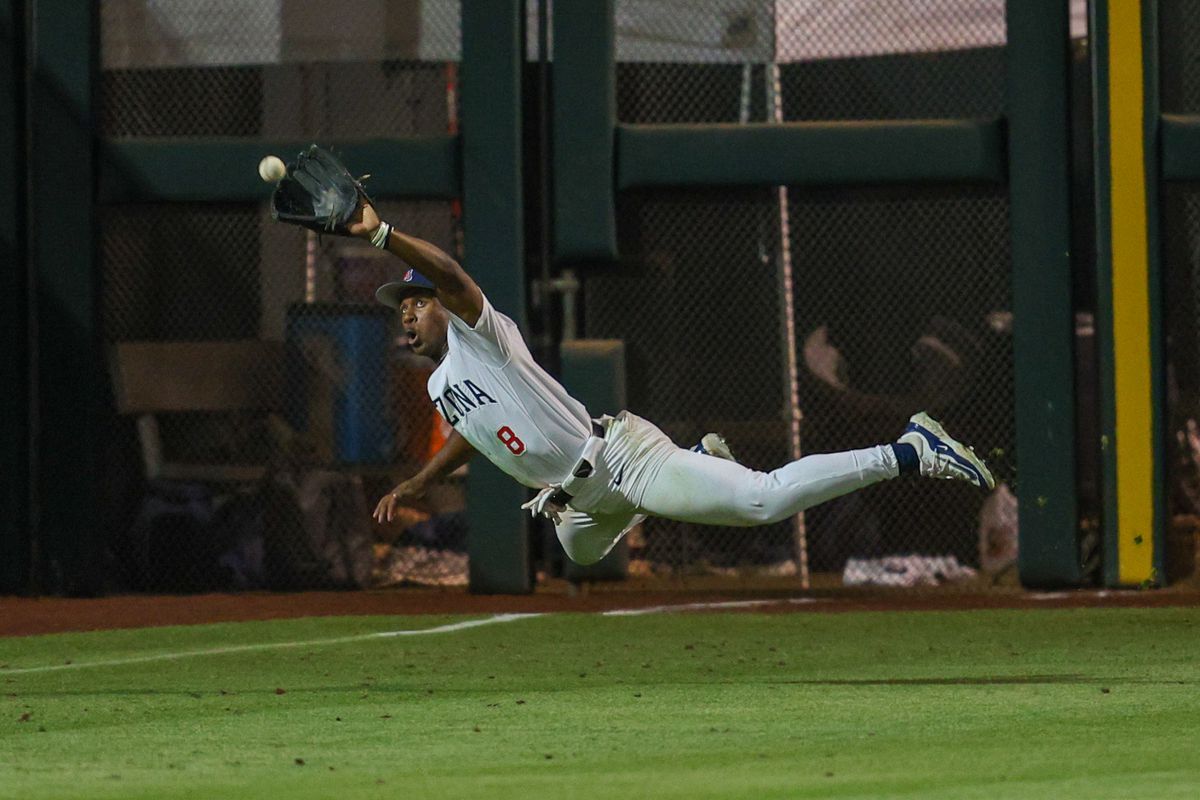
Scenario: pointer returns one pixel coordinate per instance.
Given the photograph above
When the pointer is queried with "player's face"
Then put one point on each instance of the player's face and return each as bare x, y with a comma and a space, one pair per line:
425, 321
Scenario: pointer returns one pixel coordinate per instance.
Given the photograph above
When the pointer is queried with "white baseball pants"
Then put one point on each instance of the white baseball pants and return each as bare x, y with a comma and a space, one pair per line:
644, 473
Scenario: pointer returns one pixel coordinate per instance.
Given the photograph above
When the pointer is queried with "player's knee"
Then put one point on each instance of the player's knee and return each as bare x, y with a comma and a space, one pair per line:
758, 514
585, 552
584, 556
756, 504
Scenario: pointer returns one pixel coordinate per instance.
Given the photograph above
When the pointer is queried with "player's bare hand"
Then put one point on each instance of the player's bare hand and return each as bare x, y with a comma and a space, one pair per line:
543, 504
404, 493
364, 221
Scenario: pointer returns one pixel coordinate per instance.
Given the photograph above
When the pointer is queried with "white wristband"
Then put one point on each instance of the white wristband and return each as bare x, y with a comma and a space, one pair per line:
380, 237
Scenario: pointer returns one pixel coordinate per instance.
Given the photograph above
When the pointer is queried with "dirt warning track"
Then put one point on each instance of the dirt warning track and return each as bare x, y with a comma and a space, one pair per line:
29, 616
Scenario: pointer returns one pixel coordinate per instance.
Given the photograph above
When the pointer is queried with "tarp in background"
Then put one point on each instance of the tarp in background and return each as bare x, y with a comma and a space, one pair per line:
166, 33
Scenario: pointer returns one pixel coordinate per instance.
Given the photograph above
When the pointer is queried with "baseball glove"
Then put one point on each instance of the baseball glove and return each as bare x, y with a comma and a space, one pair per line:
318, 192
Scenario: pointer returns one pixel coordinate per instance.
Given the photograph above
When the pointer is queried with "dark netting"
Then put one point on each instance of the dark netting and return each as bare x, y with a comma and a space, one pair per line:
716, 61
1179, 53
959, 83
1181, 267
170, 33
689, 93
906, 291
694, 62
1179, 81
304, 69
353, 100
265, 403
899, 61
328, 414
701, 315
901, 301
908, 288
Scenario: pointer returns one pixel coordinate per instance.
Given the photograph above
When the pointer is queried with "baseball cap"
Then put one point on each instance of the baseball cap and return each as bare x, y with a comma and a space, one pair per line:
391, 294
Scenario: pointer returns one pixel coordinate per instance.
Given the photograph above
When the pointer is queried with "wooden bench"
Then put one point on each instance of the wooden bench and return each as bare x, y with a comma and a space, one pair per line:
153, 378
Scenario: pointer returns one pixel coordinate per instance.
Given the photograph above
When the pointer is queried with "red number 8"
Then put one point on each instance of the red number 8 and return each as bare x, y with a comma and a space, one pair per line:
511, 441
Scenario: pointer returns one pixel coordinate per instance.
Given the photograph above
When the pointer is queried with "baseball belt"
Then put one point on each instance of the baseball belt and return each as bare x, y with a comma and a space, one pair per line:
585, 466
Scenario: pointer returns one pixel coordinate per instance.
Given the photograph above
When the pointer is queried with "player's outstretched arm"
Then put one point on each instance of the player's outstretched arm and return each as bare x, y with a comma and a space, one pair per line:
454, 453
456, 290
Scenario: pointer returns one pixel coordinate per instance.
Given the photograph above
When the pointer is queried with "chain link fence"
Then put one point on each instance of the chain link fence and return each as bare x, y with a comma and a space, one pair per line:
701, 320
1179, 56
905, 289
264, 475
899, 298
1179, 81
1181, 272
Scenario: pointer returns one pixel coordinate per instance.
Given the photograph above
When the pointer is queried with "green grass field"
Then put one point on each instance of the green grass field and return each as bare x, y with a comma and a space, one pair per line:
986, 704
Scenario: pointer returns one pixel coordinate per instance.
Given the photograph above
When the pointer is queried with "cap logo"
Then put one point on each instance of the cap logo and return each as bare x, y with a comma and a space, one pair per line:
408, 276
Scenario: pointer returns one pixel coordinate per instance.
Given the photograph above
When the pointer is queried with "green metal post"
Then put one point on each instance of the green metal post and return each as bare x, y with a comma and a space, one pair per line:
493, 55
14, 312
585, 113
68, 373
1098, 35
1043, 330
593, 371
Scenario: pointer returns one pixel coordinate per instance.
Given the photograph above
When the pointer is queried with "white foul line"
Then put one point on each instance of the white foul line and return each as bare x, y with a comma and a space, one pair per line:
634, 612
363, 637
250, 648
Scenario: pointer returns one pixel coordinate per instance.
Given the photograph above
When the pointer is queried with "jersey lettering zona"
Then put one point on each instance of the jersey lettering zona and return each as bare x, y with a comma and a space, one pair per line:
504, 404
454, 402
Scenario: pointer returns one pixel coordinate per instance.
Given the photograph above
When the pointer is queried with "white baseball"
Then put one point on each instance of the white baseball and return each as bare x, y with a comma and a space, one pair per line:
271, 169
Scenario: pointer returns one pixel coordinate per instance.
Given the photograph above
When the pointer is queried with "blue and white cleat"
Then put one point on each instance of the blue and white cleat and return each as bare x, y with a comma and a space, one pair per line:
942, 456
713, 444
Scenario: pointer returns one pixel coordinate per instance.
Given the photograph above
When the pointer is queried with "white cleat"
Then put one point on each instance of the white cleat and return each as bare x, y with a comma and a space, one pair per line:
713, 444
942, 456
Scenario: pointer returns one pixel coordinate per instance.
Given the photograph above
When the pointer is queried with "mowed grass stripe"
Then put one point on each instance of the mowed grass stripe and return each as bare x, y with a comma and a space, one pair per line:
1063, 703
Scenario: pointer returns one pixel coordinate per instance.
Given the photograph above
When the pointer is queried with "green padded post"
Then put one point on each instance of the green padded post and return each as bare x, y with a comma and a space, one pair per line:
1129, 308
69, 389
1180, 147
1098, 47
180, 171
593, 371
1043, 334
493, 54
14, 311
810, 153
585, 112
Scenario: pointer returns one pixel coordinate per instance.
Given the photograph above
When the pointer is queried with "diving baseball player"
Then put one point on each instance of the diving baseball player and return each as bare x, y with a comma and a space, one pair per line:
597, 478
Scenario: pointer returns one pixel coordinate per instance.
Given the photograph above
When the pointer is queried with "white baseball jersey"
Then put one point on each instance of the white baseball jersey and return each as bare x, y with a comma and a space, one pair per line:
510, 409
